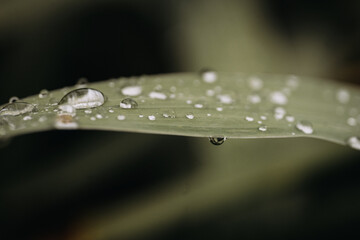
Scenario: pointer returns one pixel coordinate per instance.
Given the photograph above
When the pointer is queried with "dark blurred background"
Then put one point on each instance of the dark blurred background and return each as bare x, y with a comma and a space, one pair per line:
111, 185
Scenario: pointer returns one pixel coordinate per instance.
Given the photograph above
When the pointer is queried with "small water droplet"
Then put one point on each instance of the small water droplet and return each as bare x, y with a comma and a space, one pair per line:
141, 116
210, 92
209, 76
99, 116
128, 103
198, 105
157, 95
290, 118
209, 114
249, 119
217, 140
111, 110
263, 117
65, 121
152, 118
224, 98
88, 111
43, 93
188, 102
262, 128
305, 127
254, 99
121, 117
16, 108
259, 122
92, 118
169, 114
278, 98
27, 118
343, 96
255, 83
279, 113
219, 109
83, 98
351, 121
190, 116
131, 90
13, 99
354, 142
82, 82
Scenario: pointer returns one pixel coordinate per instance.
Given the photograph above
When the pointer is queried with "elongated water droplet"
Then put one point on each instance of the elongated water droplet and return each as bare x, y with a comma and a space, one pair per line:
121, 117
157, 95
305, 126
43, 93
128, 103
217, 140
249, 119
83, 98
190, 116
131, 90
208, 76
354, 142
16, 108
263, 128
13, 99
152, 118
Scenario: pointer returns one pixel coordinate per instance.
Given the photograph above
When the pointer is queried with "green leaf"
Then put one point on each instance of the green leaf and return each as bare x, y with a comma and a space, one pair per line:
232, 105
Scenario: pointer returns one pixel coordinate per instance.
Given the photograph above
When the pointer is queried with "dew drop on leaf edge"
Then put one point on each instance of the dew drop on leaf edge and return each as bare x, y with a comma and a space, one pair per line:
217, 140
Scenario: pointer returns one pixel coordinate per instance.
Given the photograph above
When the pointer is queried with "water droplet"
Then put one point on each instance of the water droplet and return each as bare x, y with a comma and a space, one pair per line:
82, 82
249, 119
305, 126
292, 81
121, 117
255, 83
43, 93
128, 103
16, 108
132, 90
111, 110
209, 76
67, 109
254, 99
262, 128
343, 96
219, 109
217, 140
92, 118
278, 98
64, 121
99, 116
141, 116
263, 117
157, 95
190, 116
152, 118
13, 99
259, 122
169, 114
88, 111
354, 142
290, 118
198, 105
27, 118
279, 113
224, 98
188, 101
210, 92
351, 121
83, 98
209, 114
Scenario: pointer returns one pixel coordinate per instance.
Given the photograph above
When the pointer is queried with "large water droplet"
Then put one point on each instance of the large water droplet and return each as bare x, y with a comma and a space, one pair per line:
16, 108
131, 90
354, 142
128, 103
209, 76
305, 126
217, 140
278, 98
83, 98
